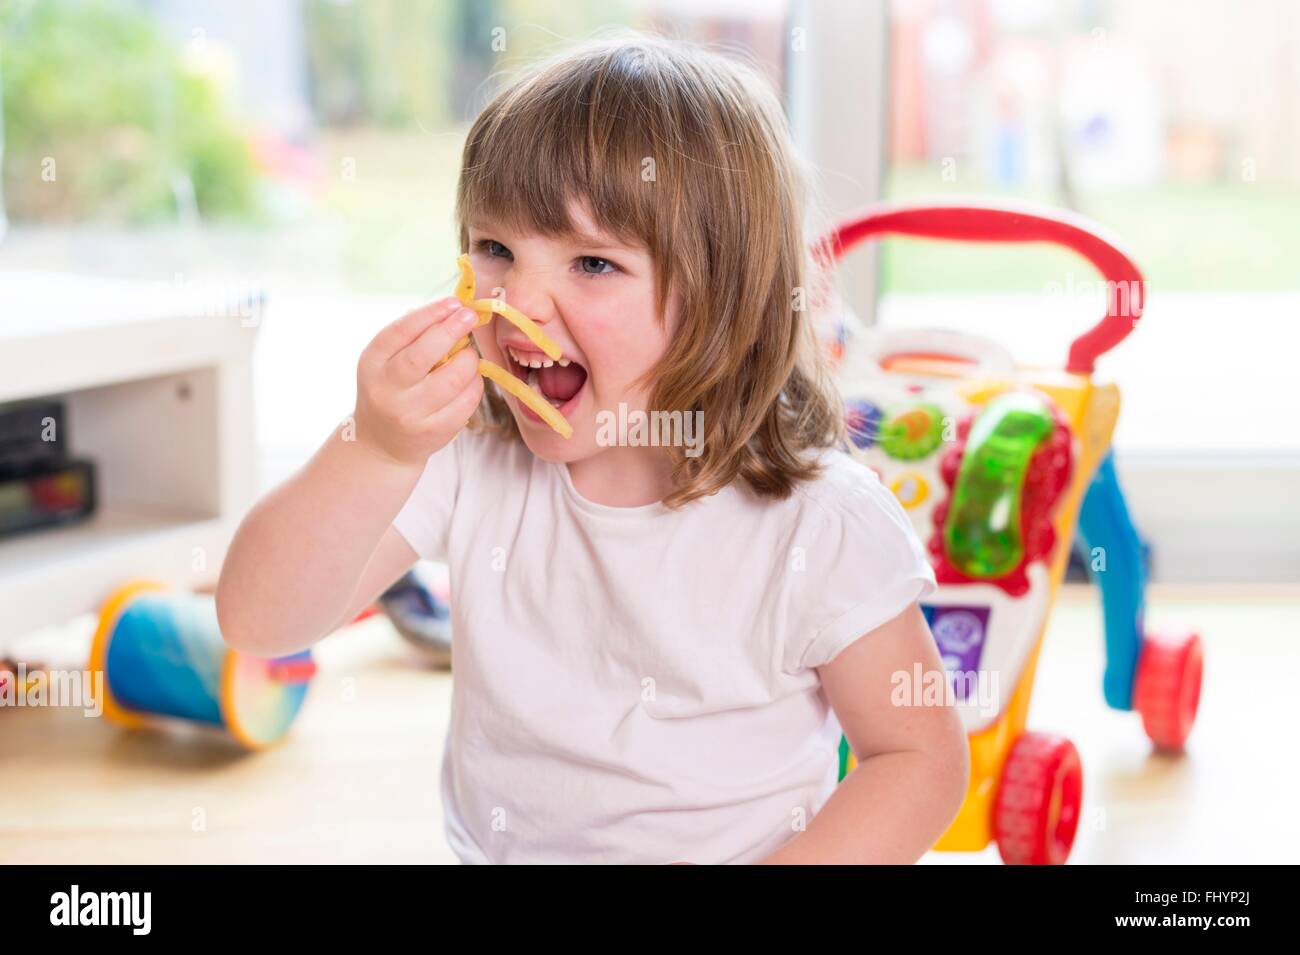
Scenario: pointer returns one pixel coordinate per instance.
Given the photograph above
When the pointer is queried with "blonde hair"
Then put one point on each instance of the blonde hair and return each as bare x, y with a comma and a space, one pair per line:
687, 152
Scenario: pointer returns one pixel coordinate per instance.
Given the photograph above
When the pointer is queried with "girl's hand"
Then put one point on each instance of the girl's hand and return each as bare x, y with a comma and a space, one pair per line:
406, 411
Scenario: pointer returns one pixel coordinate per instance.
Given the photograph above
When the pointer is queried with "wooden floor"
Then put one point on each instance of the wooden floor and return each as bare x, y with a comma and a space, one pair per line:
357, 779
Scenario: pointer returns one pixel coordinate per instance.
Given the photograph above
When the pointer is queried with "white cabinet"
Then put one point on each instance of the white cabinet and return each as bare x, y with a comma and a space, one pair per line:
156, 380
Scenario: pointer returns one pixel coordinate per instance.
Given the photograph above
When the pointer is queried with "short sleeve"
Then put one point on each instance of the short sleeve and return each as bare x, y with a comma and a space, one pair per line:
864, 566
425, 518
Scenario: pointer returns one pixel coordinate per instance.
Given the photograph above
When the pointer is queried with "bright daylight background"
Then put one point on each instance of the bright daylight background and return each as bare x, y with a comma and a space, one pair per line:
308, 149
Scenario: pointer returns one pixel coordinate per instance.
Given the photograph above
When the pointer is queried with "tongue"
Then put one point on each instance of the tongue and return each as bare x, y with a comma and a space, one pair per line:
561, 382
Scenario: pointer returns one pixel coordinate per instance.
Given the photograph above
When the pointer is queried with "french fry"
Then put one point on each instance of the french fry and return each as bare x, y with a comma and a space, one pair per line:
510, 383
465, 292
465, 283
486, 309
517, 319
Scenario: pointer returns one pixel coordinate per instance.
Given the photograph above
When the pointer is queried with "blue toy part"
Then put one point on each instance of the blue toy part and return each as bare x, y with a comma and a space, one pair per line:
166, 659
1107, 531
162, 655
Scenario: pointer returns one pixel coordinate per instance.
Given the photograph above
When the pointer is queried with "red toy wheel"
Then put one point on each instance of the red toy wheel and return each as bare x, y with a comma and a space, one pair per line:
1037, 810
1167, 689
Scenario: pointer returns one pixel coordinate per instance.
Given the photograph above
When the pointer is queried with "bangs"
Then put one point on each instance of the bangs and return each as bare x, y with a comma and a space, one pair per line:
573, 134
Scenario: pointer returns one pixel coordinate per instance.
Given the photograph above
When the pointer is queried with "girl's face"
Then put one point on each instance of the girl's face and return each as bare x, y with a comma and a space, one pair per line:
594, 297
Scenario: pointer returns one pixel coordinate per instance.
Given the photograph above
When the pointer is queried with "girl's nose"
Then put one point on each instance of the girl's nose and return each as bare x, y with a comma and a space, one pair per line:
531, 294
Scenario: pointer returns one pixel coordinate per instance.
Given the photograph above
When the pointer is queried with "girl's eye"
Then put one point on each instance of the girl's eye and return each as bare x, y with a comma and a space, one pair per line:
492, 248
593, 265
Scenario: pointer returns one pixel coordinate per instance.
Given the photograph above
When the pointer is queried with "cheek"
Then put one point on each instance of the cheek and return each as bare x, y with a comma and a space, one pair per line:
624, 341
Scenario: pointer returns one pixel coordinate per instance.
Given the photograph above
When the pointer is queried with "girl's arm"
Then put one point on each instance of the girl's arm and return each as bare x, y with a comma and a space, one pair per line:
913, 761
320, 543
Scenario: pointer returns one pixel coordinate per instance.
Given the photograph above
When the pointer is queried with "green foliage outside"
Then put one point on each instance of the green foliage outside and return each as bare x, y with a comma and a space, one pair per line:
103, 121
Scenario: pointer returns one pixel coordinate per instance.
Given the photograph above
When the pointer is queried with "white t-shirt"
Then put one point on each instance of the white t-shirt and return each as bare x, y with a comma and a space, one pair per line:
636, 684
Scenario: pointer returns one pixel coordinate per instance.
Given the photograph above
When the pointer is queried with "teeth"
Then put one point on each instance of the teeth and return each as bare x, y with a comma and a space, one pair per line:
534, 361
532, 380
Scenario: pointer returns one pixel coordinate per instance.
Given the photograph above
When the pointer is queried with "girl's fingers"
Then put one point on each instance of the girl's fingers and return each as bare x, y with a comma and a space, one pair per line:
397, 335
413, 362
440, 386
453, 415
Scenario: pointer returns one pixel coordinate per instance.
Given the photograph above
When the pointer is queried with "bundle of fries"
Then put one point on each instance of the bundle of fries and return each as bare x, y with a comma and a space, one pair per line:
487, 308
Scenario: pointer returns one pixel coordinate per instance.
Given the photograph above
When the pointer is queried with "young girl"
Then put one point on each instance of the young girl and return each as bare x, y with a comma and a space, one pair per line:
655, 647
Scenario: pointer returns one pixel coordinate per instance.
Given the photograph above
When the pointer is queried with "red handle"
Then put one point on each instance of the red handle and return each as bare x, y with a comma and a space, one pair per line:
979, 222
291, 671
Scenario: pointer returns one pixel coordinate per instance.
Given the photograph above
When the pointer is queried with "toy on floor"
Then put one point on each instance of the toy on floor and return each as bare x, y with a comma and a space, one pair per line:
486, 309
162, 657
420, 614
996, 466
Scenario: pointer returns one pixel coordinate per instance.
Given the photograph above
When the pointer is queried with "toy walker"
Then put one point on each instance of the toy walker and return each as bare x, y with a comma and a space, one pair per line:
997, 466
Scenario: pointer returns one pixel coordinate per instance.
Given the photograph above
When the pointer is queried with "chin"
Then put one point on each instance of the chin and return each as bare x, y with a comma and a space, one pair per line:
544, 442
549, 446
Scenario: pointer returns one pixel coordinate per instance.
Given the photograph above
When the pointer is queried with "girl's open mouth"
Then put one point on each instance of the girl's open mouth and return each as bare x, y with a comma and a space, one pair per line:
559, 382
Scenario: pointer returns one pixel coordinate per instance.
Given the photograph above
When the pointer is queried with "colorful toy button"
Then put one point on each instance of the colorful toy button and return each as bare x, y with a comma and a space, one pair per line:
862, 422
912, 433
911, 489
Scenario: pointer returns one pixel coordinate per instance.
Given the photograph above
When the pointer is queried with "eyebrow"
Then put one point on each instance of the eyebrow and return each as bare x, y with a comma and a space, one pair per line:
603, 242
580, 239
